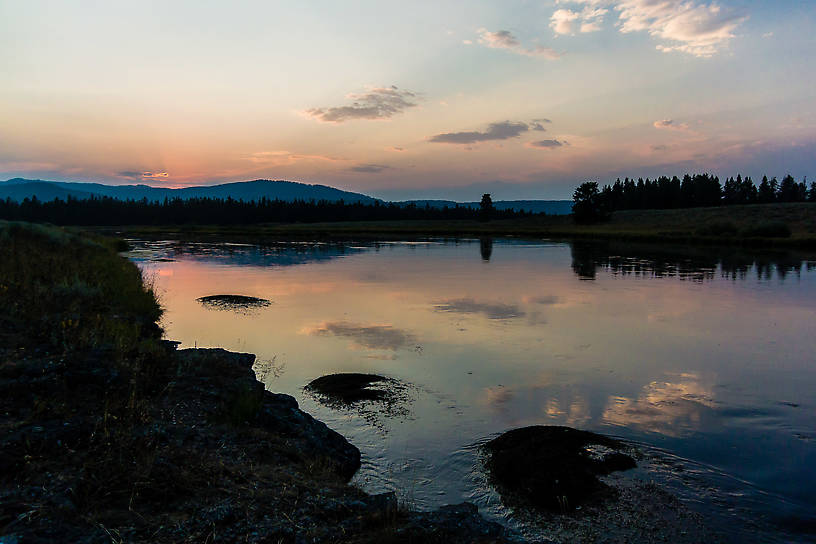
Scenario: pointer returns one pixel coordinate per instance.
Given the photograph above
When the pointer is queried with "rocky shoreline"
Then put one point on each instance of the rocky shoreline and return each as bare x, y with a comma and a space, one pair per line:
227, 461
110, 434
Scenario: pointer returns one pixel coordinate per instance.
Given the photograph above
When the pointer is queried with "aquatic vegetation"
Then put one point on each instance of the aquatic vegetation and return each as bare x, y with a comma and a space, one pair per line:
234, 303
350, 387
373, 397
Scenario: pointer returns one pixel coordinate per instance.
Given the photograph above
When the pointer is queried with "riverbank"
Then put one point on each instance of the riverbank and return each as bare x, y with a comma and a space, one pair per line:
108, 433
791, 225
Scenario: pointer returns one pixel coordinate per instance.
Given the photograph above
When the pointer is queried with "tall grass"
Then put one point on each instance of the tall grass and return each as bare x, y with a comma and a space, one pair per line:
70, 291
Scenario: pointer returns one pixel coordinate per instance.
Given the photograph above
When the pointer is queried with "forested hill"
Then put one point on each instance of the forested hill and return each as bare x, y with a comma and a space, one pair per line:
18, 189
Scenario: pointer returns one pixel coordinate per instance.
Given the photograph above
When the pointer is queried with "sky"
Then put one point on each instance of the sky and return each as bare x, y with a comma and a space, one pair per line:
423, 99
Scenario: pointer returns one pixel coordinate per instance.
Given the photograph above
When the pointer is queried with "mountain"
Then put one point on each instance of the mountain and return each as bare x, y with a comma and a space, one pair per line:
18, 189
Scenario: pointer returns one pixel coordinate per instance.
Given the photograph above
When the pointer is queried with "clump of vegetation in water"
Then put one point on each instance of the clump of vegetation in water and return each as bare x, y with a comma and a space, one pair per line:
235, 303
373, 397
350, 387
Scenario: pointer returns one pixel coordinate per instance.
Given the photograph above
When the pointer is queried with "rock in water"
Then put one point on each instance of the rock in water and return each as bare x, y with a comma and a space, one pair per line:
555, 468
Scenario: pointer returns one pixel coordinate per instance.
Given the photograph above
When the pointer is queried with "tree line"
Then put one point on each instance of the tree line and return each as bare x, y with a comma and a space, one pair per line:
217, 211
592, 203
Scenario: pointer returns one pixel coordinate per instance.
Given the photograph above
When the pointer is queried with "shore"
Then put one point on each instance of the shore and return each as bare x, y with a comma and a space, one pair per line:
727, 226
109, 433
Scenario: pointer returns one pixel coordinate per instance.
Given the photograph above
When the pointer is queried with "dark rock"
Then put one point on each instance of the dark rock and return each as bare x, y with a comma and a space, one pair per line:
232, 385
384, 503
554, 468
280, 413
452, 523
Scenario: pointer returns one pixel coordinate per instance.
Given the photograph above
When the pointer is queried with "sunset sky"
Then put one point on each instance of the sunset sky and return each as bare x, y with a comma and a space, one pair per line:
426, 99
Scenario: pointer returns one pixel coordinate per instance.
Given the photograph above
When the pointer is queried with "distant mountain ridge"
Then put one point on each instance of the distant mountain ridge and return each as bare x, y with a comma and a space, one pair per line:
18, 189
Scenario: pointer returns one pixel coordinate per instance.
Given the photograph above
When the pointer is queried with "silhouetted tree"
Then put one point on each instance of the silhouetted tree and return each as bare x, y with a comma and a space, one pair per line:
486, 207
766, 192
588, 206
789, 190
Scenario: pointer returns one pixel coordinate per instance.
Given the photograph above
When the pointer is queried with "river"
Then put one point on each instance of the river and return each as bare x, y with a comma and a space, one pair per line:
703, 358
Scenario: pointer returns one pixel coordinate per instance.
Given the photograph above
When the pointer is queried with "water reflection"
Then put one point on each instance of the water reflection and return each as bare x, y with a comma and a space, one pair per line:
672, 408
694, 357
689, 263
491, 310
486, 248
273, 254
366, 336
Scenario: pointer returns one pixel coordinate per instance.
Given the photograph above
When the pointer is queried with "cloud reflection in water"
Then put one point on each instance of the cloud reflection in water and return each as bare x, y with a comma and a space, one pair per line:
366, 336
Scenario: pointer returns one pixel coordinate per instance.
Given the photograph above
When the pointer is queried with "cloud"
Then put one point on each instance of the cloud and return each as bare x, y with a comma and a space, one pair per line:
689, 26
538, 124
547, 144
659, 147
366, 336
395, 148
567, 21
504, 39
377, 103
670, 124
492, 310
369, 168
501, 39
593, 26
503, 130
282, 158
563, 21
143, 175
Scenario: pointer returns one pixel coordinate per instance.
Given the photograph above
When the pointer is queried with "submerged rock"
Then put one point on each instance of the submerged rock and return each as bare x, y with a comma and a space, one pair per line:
554, 468
236, 303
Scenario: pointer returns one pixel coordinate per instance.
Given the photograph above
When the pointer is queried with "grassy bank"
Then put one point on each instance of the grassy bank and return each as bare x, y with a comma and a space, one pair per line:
71, 292
762, 225
109, 434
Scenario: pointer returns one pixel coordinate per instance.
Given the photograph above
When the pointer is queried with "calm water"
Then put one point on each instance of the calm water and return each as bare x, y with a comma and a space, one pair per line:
704, 359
